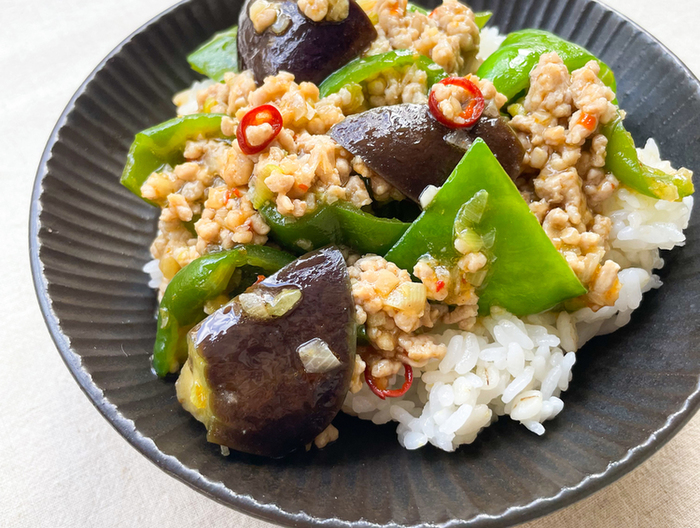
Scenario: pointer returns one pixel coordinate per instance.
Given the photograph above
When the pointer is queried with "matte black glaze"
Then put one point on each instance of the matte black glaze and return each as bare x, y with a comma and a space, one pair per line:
410, 149
631, 391
263, 400
310, 50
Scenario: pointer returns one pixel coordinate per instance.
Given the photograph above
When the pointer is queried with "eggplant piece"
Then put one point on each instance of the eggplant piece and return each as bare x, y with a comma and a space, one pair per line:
502, 141
269, 371
310, 50
409, 148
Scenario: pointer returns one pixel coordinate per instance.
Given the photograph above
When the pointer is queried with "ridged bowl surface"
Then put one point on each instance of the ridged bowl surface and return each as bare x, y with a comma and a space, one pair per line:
89, 240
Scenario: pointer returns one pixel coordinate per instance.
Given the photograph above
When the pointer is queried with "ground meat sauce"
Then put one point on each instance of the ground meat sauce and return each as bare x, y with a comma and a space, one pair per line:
567, 182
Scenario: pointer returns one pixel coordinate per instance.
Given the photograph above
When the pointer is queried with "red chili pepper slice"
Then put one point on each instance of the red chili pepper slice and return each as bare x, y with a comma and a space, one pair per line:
470, 114
384, 394
439, 285
257, 116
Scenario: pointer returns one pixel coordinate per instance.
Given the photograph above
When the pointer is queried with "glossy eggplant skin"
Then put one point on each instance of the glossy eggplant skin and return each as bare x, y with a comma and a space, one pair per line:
409, 148
262, 399
310, 50
502, 141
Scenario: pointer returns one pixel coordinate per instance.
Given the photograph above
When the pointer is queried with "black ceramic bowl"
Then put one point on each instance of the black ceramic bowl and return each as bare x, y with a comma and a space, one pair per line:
89, 239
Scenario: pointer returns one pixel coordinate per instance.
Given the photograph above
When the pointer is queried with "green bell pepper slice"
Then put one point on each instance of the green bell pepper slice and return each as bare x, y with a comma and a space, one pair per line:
300, 235
367, 233
201, 280
217, 56
338, 223
525, 273
623, 161
509, 67
163, 145
361, 69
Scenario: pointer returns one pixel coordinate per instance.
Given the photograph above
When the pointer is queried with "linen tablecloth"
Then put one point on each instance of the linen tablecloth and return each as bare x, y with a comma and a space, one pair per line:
61, 463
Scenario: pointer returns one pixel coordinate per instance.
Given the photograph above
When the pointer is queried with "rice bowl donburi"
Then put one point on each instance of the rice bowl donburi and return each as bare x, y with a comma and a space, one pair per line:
424, 234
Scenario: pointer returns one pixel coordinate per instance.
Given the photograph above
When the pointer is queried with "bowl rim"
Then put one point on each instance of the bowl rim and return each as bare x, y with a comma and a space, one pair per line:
217, 491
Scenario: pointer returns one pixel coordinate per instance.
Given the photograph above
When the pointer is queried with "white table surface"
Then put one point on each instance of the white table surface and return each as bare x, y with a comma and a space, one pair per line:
61, 463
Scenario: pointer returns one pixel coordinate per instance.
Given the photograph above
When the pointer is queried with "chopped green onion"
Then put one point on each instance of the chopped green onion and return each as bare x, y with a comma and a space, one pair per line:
489, 239
427, 196
305, 244
408, 297
317, 357
264, 305
413, 8
516, 109
261, 194
254, 305
284, 301
357, 98
468, 241
281, 23
477, 279
471, 212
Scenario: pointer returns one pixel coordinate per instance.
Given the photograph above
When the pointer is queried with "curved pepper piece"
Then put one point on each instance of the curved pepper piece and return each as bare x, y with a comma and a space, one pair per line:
623, 161
201, 280
163, 145
525, 273
361, 69
339, 223
217, 56
509, 67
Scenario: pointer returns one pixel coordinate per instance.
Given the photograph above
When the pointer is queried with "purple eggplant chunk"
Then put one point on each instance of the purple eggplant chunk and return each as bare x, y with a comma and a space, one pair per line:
309, 50
502, 141
273, 376
409, 148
